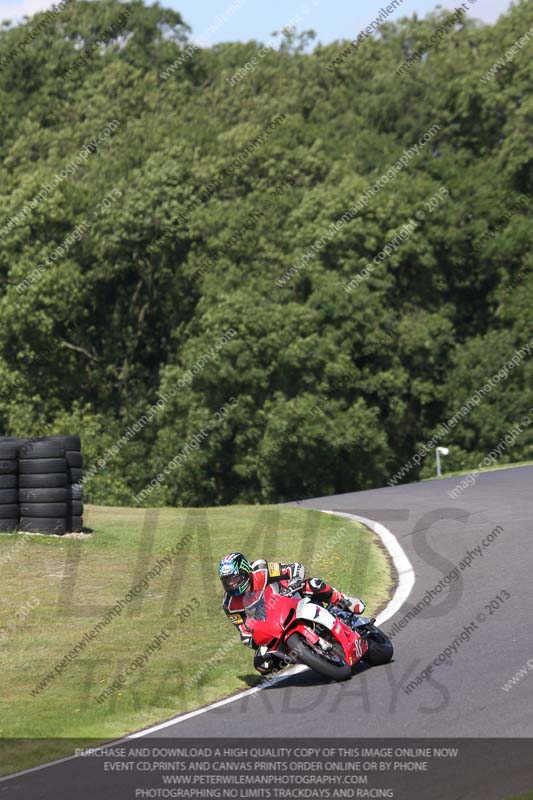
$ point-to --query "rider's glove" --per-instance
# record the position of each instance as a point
(246, 637)
(295, 585)
(297, 571)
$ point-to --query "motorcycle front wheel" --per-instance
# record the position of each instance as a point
(332, 667)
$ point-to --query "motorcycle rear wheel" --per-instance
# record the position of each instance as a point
(380, 650)
(305, 654)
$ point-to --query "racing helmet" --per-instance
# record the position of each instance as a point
(234, 571)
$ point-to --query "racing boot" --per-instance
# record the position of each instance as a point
(318, 590)
(353, 604)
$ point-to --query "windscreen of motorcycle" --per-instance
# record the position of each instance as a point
(254, 605)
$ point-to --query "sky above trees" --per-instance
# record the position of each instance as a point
(247, 19)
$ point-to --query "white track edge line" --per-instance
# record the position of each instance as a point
(402, 565)
(406, 581)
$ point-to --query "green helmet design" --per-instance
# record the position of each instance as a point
(234, 571)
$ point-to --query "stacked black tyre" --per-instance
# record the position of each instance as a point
(43, 481)
(74, 461)
(9, 501)
(41, 485)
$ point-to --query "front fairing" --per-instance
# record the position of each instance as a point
(266, 614)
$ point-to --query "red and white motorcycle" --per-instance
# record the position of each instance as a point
(292, 629)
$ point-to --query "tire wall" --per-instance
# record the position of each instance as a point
(41, 485)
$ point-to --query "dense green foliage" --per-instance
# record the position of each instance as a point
(210, 203)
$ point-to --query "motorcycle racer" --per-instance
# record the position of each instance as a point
(239, 576)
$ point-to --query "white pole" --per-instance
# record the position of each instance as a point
(438, 451)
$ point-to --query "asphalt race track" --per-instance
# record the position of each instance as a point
(465, 699)
(463, 696)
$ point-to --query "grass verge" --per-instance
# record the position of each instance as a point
(56, 589)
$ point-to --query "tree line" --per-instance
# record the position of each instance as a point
(251, 205)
